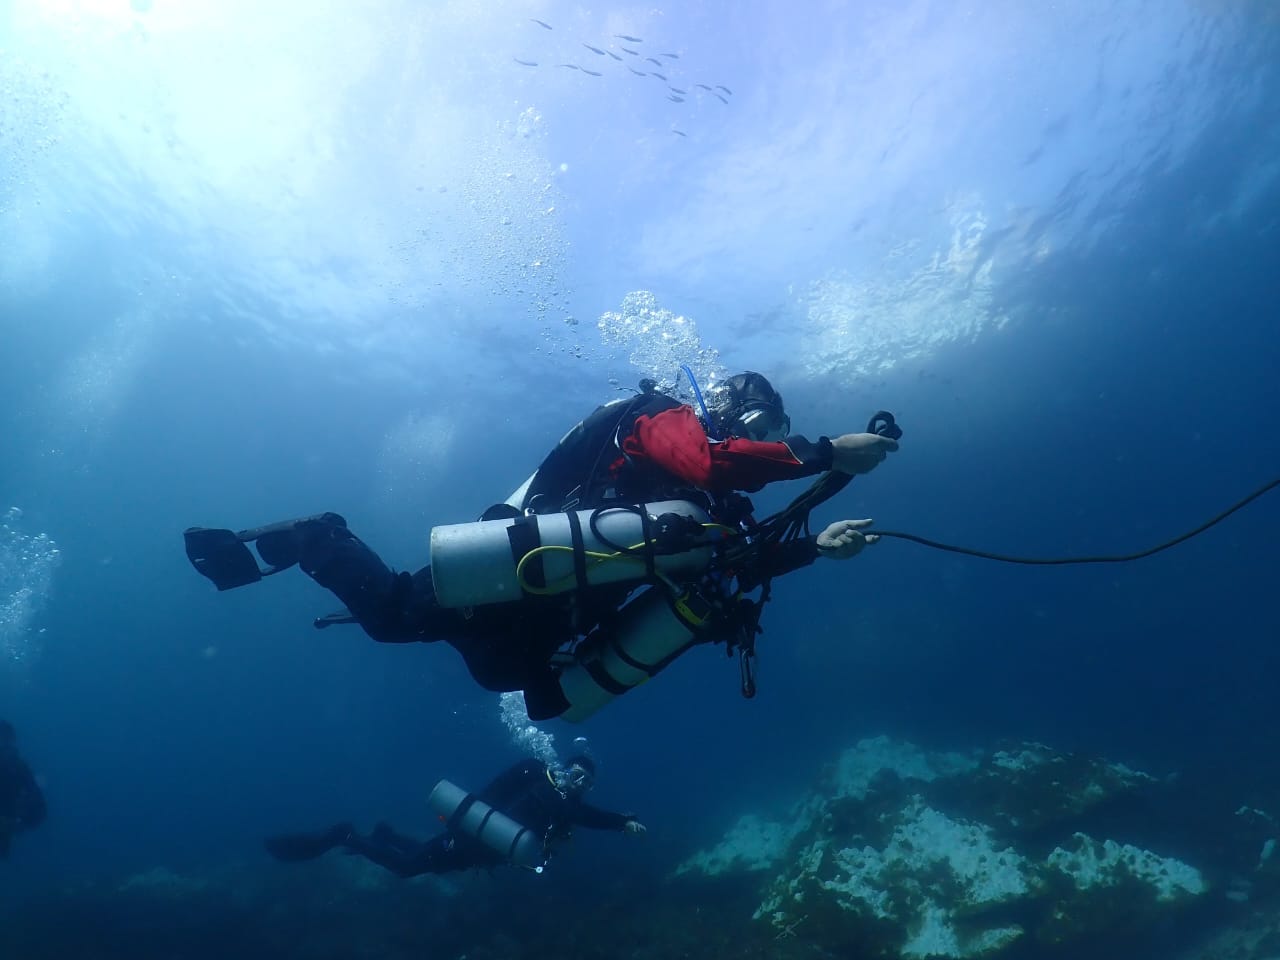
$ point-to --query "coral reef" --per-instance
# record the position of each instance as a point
(1017, 852)
(906, 853)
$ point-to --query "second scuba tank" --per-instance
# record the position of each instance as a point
(650, 632)
(466, 815)
(473, 564)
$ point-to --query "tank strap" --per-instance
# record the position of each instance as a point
(511, 850)
(596, 671)
(464, 805)
(524, 539)
(670, 658)
(631, 661)
(646, 526)
(579, 551)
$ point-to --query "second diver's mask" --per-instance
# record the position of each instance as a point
(575, 778)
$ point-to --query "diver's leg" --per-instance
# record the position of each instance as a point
(386, 836)
(404, 856)
(225, 558)
(392, 607)
(341, 562)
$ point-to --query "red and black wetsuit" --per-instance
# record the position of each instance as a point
(647, 449)
(654, 447)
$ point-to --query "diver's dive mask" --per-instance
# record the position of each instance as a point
(746, 405)
(577, 778)
(761, 421)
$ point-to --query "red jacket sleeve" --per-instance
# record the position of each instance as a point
(674, 441)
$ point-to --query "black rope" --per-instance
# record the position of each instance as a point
(1062, 561)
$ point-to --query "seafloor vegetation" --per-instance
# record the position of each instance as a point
(1016, 853)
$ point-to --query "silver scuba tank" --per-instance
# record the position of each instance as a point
(474, 564)
(649, 631)
(469, 816)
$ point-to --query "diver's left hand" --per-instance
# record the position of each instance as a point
(634, 826)
(844, 539)
(855, 453)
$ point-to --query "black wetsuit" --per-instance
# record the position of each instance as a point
(525, 793)
(21, 801)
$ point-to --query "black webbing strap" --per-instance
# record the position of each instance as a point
(646, 526)
(596, 671)
(629, 660)
(523, 537)
(579, 550)
(511, 850)
(464, 805)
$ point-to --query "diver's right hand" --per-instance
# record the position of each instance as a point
(844, 539)
(855, 453)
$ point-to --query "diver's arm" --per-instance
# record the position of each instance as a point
(742, 464)
(739, 463)
(594, 818)
(674, 441)
(782, 558)
(839, 541)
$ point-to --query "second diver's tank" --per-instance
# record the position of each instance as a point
(467, 815)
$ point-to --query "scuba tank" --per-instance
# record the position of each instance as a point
(467, 815)
(649, 632)
(497, 561)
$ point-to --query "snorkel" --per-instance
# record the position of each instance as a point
(706, 415)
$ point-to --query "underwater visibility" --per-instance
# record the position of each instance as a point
(508, 481)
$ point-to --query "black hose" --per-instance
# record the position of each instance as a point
(1062, 561)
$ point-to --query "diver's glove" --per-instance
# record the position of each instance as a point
(633, 826)
(844, 539)
(855, 453)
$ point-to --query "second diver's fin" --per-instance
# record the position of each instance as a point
(293, 847)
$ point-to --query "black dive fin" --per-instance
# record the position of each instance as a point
(222, 557)
(333, 619)
(291, 847)
(294, 847)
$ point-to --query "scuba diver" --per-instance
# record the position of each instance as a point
(628, 545)
(519, 818)
(21, 801)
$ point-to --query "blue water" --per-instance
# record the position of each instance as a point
(260, 264)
